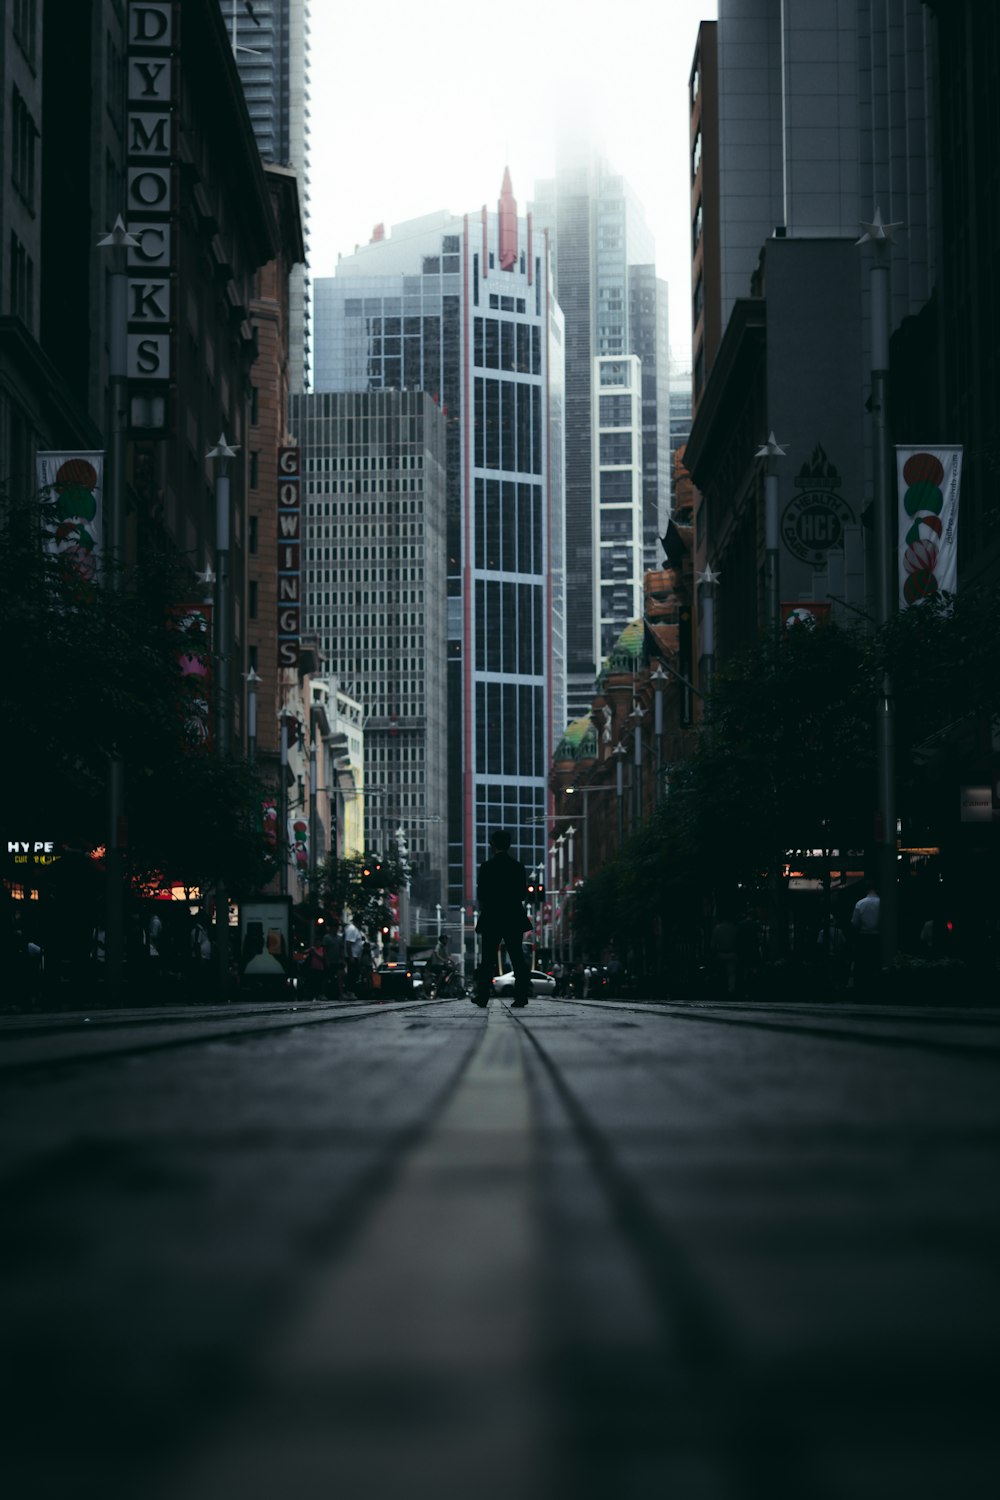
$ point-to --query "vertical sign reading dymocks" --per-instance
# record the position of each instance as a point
(151, 194)
(289, 557)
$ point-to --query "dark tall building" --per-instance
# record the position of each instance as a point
(270, 41)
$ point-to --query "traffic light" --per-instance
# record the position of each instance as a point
(539, 892)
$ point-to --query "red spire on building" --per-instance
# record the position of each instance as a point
(378, 234)
(507, 215)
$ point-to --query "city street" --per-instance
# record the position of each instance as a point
(588, 1248)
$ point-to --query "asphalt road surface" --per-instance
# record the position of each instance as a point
(584, 1249)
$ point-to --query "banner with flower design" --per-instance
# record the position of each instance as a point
(928, 484)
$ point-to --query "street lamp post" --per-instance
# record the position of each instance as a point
(253, 681)
(117, 242)
(880, 236)
(221, 455)
(619, 753)
(771, 451)
(638, 714)
(659, 678)
(708, 580)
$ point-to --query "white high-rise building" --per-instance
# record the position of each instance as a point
(462, 307)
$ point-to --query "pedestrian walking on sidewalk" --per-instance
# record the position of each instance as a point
(501, 891)
(866, 932)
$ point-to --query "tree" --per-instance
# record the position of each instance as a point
(93, 668)
(344, 886)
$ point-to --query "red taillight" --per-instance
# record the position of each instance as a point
(950, 926)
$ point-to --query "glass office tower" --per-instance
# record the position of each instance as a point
(463, 307)
(614, 306)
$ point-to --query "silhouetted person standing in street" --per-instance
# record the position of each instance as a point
(502, 890)
(866, 924)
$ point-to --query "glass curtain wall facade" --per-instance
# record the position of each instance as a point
(649, 339)
(463, 308)
(598, 234)
(617, 489)
(373, 589)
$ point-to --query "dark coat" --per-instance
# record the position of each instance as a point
(502, 890)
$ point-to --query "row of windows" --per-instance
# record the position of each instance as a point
(509, 526)
(510, 729)
(354, 508)
(616, 562)
(508, 426)
(22, 155)
(616, 447)
(22, 282)
(507, 346)
(364, 486)
(25, 26)
(615, 411)
(366, 460)
(509, 634)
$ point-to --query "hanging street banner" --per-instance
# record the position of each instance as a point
(73, 483)
(928, 481)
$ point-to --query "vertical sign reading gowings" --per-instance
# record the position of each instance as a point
(289, 557)
(928, 483)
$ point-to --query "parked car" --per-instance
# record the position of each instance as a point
(541, 983)
(393, 981)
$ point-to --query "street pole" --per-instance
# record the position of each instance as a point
(221, 454)
(283, 805)
(708, 579)
(638, 713)
(253, 679)
(880, 236)
(117, 242)
(619, 754)
(659, 679)
(314, 859)
(772, 451)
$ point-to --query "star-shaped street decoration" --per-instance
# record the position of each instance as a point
(877, 231)
(771, 449)
(222, 448)
(709, 575)
(119, 236)
(207, 578)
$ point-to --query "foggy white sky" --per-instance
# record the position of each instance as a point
(419, 107)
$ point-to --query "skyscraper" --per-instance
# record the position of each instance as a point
(463, 307)
(614, 307)
(270, 41)
(373, 474)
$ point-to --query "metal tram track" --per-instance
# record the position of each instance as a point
(759, 1016)
(78, 1040)
(697, 1352)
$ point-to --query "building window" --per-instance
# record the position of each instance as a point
(25, 26)
(23, 134)
(252, 601)
(254, 406)
(254, 469)
(252, 535)
(22, 282)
